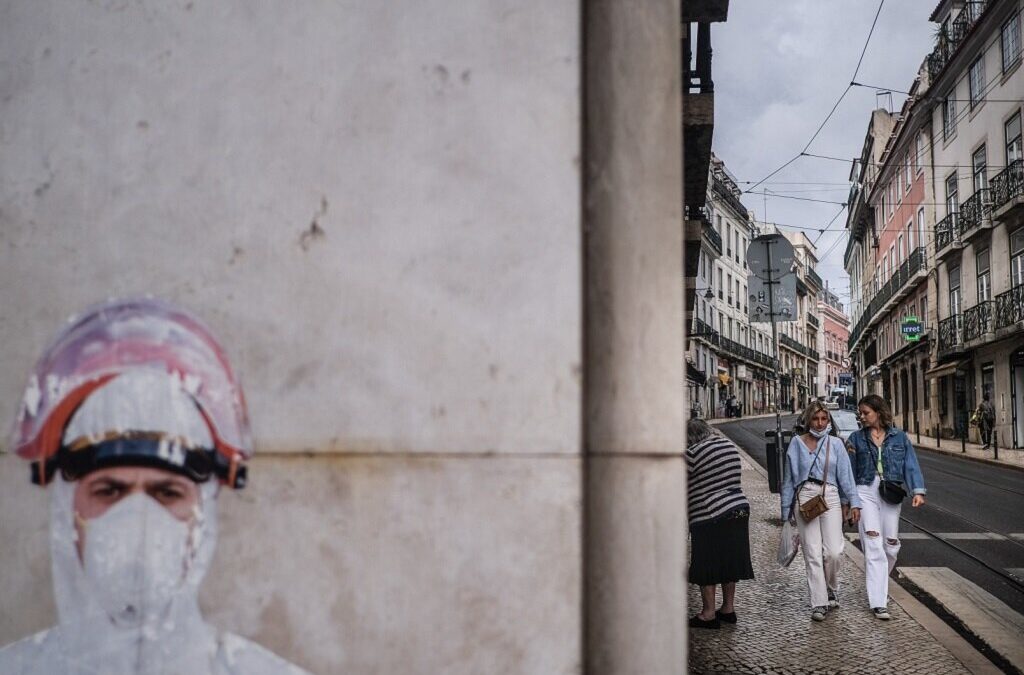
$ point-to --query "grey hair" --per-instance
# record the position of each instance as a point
(698, 430)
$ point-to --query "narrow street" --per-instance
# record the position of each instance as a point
(969, 535)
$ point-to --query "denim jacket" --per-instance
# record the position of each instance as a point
(899, 461)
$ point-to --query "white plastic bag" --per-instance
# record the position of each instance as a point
(789, 543)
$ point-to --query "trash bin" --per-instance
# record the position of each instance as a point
(775, 458)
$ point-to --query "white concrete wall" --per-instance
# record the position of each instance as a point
(377, 207)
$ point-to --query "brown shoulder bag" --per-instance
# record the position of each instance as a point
(815, 506)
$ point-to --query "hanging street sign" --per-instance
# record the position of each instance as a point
(911, 329)
(780, 275)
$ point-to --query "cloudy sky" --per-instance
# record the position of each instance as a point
(779, 67)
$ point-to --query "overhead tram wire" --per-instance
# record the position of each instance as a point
(853, 82)
(834, 107)
(929, 97)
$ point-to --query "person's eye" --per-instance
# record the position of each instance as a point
(106, 491)
(169, 493)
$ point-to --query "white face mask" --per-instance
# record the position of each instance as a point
(824, 432)
(135, 559)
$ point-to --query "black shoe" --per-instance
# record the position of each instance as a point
(697, 622)
(728, 617)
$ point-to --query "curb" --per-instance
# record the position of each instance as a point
(972, 659)
(971, 458)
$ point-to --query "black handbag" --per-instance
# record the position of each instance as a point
(891, 491)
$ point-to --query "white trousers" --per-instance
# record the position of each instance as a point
(822, 543)
(880, 551)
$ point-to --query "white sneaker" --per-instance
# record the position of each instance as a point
(818, 613)
(881, 613)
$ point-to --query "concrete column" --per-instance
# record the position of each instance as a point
(635, 519)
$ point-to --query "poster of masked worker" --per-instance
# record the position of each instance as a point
(134, 422)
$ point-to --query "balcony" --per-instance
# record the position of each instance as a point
(813, 277)
(812, 354)
(713, 238)
(947, 236)
(1007, 189)
(705, 332)
(978, 321)
(951, 36)
(951, 335)
(813, 321)
(975, 214)
(1009, 308)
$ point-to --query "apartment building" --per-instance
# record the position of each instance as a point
(727, 355)
(832, 341)
(936, 249)
(976, 89)
(798, 340)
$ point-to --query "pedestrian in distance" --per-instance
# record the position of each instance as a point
(719, 516)
(816, 466)
(986, 420)
(886, 469)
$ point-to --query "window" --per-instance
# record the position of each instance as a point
(924, 310)
(910, 237)
(1009, 42)
(899, 185)
(978, 165)
(720, 284)
(892, 261)
(906, 172)
(954, 290)
(919, 153)
(920, 227)
(1017, 258)
(728, 240)
(899, 249)
(951, 194)
(984, 280)
(728, 289)
(976, 81)
(948, 116)
(1011, 132)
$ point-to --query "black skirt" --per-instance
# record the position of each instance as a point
(720, 551)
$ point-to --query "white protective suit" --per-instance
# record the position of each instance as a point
(86, 641)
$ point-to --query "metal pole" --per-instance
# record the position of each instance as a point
(775, 342)
(995, 442)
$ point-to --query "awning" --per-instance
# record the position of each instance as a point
(943, 370)
(694, 375)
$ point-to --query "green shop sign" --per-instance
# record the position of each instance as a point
(911, 329)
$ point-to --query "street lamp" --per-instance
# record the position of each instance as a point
(709, 295)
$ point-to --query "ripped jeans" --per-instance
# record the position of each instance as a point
(881, 547)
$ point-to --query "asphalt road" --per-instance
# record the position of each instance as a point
(965, 498)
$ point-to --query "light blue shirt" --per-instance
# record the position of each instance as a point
(802, 464)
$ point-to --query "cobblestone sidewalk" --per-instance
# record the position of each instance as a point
(775, 633)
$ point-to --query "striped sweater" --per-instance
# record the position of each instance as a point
(713, 480)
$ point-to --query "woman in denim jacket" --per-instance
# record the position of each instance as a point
(881, 451)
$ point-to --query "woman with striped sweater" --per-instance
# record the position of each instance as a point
(718, 515)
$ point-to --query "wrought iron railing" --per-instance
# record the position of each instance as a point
(947, 232)
(972, 211)
(951, 35)
(1009, 307)
(713, 237)
(813, 276)
(813, 320)
(1008, 183)
(978, 320)
(705, 332)
(951, 333)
